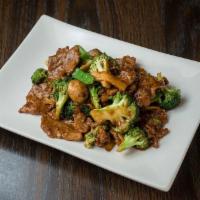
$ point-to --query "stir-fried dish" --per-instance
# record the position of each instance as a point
(103, 101)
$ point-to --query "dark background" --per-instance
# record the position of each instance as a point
(29, 170)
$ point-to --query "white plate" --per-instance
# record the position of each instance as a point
(154, 167)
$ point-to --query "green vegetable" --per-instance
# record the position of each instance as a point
(39, 76)
(84, 55)
(135, 137)
(122, 113)
(100, 64)
(168, 97)
(90, 138)
(68, 110)
(85, 109)
(159, 76)
(94, 96)
(82, 76)
(60, 94)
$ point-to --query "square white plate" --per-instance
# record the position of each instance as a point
(154, 167)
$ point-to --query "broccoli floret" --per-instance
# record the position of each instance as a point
(168, 97)
(100, 63)
(122, 113)
(60, 94)
(39, 76)
(68, 110)
(85, 109)
(94, 96)
(135, 137)
(90, 138)
(84, 55)
(101, 69)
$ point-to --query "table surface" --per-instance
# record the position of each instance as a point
(29, 170)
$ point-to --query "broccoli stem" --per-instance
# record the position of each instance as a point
(60, 94)
(94, 96)
(82, 76)
(60, 103)
(129, 142)
(84, 55)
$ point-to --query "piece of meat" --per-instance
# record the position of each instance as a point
(143, 97)
(71, 60)
(56, 60)
(131, 89)
(105, 94)
(153, 121)
(147, 87)
(127, 68)
(109, 146)
(95, 52)
(114, 67)
(38, 100)
(63, 63)
(102, 137)
(117, 137)
(59, 129)
(81, 122)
